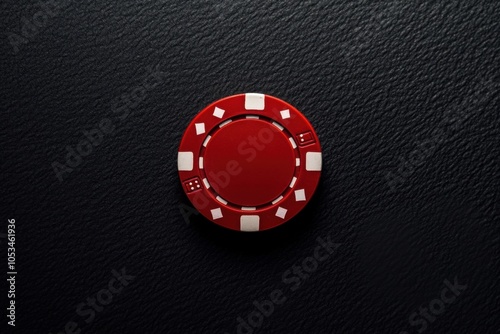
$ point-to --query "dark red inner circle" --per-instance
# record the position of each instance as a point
(249, 162)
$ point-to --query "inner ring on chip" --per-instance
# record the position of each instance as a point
(249, 162)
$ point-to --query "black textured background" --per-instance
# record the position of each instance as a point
(375, 79)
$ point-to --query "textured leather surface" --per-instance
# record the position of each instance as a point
(403, 95)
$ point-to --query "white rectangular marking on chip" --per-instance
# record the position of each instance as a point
(297, 162)
(185, 161)
(200, 162)
(206, 141)
(252, 117)
(225, 123)
(313, 161)
(281, 212)
(292, 142)
(222, 200)
(293, 182)
(218, 112)
(205, 182)
(300, 195)
(200, 128)
(254, 101)
(278, 126)
(216, 213)
(277, 200)
(248, 208)
(285, 113)
(249, 223)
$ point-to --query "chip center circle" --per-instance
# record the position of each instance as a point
(249, 162)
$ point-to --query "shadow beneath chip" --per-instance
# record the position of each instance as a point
(265, 241)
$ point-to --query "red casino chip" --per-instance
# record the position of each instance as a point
(249, 162)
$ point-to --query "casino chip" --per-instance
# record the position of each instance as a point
(249, 162)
